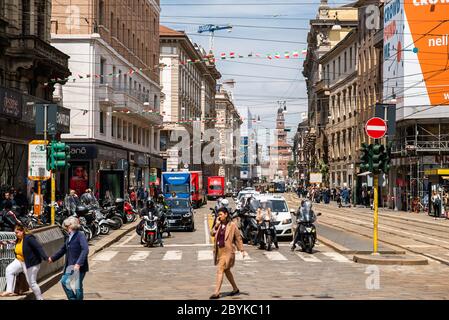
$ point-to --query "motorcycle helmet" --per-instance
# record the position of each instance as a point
(150, 203)
(225, 203)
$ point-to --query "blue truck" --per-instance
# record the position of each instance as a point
(178, 182)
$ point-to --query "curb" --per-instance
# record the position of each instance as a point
(54, 279)
(379, 260)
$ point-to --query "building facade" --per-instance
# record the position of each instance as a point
(189, 84)
(115, 100)
(27, 64)
(339, 68)
(326, 31)
(228, 126)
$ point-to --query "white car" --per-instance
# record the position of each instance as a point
(242, 194)
(281, 212)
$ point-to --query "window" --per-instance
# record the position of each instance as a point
(119, 128)
(346, 62)
(120, 79)
(101, 12)
(112, 24)
(118, 28)
(125, 130)
(113, 77)
(102, 70)
(102, 122)
(350, 57)
(134, 127)
(130, 132)
(339, 67)
(333, 69)
(114, 124)
(125, 82)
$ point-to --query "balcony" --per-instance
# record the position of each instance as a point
(105, 94)
(133, 102)
(24, 46)
(422, 143)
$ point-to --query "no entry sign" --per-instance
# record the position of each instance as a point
(376, 128)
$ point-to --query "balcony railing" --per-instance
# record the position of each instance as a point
(422, 143)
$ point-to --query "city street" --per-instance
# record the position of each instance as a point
(183, 269)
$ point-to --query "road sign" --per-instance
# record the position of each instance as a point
(376, 128)
(37, 160)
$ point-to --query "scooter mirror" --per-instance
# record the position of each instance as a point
(292, 211)
(318, 214)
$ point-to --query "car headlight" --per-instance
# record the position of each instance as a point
(286, 221)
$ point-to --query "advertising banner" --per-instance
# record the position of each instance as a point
(416, 62)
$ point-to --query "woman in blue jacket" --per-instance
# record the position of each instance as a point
(29, 255)
(76, 250)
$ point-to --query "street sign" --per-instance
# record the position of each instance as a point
(37, 160)
(376, 128)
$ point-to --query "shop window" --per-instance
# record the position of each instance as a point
(102, 122)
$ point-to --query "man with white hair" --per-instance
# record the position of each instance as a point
(76, 250)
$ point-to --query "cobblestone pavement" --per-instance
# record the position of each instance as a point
(183, 269)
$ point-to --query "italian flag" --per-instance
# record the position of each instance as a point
(295, 54)
(223, 56)
(287, 55)
(277, 55)
(232, 55)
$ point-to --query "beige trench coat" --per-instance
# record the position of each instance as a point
(233, 240)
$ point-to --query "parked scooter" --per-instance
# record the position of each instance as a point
(306, 231)
(130, 213)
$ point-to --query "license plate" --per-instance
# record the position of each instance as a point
(309, 229)
(171, 221)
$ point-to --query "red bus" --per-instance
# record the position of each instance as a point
(215, 187)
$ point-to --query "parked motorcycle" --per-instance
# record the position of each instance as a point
(114, 219)
(130, 213)
(306, 230)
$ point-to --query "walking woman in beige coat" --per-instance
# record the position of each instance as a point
(226, 238)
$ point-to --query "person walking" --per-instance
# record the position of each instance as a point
(436, 202)
(76, 264)
(8, 219)
(226, 238)
(29, 255)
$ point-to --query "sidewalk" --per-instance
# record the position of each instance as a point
(94, 248)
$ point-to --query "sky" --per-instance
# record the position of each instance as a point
(260, 86)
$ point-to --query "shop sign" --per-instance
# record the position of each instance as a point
(10, 103)
(82, 151)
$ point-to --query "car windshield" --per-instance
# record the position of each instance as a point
(278, 205)
(215, 188)
(178, 203)
(180, 188)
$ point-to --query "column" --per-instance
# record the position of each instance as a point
(152, 140)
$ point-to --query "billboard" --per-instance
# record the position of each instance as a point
(416, 61)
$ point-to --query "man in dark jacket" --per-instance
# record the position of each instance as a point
(8, 218)
(76, 250)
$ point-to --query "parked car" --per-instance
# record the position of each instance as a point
(180, 214)
(281, 212)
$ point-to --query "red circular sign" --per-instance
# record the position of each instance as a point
(376, 128)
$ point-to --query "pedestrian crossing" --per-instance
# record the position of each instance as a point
(207, 255)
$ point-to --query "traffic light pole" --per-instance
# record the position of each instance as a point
(376, 212)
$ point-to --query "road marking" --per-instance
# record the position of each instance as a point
(205, 255)
(105, 256)
(206, 230)
(139, 255)
(239, 257)
(127, 240)
(171, 245)
(308, 257)
(418, 246)
(336, 257)
(274, 256)
(173, 255)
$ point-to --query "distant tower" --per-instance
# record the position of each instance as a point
(280, 150)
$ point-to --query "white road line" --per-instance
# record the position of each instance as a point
(171, 245)
(336, 257)
(206, 230)
(127, 240)
(205, 255)
(173, 255)
(308, 257)
(105, 256)
(274, 256)
(239, 257)
(139, 255)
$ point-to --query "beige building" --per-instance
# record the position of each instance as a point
(228, 125)
(339, 68)
(189, 94)
(115, 100)
(329, 28)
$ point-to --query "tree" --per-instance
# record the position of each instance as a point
(291, 168)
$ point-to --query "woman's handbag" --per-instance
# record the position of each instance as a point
(21, 284)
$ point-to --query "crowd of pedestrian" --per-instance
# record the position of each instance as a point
(325, 195)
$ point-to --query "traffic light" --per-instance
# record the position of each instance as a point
(378, 158)
(58, 155)
(387, 158)
(365, 158)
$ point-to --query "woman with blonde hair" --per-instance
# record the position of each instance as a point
(29, 255)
